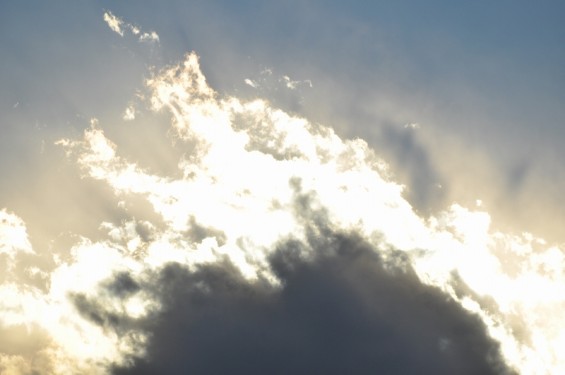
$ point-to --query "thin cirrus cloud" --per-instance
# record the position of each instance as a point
(275, 247)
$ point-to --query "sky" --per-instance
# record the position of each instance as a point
(282, 187)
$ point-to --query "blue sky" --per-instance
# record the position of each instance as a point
(462, 100)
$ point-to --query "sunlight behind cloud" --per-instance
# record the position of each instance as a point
(243, 141)
(257, 177)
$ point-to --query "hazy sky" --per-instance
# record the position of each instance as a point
(199, 184)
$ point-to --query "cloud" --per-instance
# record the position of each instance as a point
(114, 23)
(293, 85)
(129, 113)
(251, 83)
(120, 27)
(149, 37)
(275, 245)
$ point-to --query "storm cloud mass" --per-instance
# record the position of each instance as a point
(242, 226)
(342, 311)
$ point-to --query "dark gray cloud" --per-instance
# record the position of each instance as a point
(342, 311)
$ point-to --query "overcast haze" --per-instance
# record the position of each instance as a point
(292, 187)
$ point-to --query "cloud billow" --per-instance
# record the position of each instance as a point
(342, 311)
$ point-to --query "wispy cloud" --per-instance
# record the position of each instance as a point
(149, 37)
(250, 82)
(293, 84)
(120, 27)
(115, 23)
(129, 113)
(266, 80)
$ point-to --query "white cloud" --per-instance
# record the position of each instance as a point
(129, 113)
(149, 37)
(72, 344)
(115, 23)
(251, 83)
(119, 26)
(252, 166)
(293, 84)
